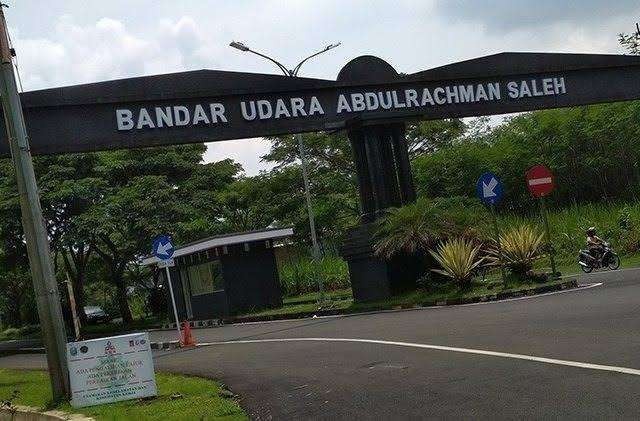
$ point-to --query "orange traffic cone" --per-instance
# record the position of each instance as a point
(187, 338)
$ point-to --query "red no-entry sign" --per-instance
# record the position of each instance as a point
(540, 181)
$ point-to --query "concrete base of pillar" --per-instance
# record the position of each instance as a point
(373, 278)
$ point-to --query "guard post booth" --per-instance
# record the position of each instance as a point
(225, 274)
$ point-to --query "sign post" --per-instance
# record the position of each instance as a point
(490, 190)
(74, 312)
(163, 249)
(541, 183)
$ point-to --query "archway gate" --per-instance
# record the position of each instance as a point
(369, 99)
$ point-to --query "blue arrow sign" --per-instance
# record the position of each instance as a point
(489, 188)
(162, 247)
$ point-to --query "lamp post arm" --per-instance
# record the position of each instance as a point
(284, 69)
(296, 69)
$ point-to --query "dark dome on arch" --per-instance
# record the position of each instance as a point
(365, 69)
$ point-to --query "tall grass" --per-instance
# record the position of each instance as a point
(617, 223)
(301, 275)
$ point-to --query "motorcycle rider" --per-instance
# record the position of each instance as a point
(595, 244)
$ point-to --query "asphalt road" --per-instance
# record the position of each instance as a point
(514, 359)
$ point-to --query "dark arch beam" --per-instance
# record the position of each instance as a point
(84, 117)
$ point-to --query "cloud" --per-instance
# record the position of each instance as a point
(106, 49)
(518, 15)
(245, 151)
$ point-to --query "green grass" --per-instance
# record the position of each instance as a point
(179, 398)
(305, 307)
(450, 291)
(569, 266)
(312, 297)
(439, 292)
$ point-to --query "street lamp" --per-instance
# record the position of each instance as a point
(303, 159)
(293, 73)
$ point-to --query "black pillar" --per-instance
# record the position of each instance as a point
(401, 154)
(365, 185)
(384, 181)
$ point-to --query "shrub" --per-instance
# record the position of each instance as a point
(521, 246)
(458, 258)
(420, 226)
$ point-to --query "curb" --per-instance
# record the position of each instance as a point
(31, 350)
(195, 324)
(27, 413)
(157, 346)
(569, 284)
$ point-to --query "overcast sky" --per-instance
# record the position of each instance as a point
(67, 42)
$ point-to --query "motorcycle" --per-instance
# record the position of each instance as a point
(608, 259)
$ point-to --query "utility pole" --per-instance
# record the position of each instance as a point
(44, 282)
(312, 222)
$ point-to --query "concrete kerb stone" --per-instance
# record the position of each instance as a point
(26, 413)
(156, 346)
(568, 283)
(195, 324)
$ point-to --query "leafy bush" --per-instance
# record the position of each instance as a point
(420, 226)
(27, 331)
(521, 246)
(301, 276)
(458, 258)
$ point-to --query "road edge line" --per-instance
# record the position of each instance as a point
(546, 360)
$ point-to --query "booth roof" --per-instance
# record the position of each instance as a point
(224, 240)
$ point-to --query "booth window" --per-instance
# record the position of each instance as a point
(205, 278)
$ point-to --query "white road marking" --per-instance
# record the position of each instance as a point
(623, 370)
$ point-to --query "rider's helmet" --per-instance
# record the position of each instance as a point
(591, 231)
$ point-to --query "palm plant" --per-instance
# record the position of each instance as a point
(521, 246)
(421, 225)
(458, 258)
(403, 230)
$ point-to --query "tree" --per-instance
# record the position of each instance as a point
(631, 42)
(68, 188)
(427, 137)
(17, 300)
(142, 200)
(205, 193)
(333, 184)
(126, 221)
(587, 148)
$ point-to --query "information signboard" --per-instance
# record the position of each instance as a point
(110, 369)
